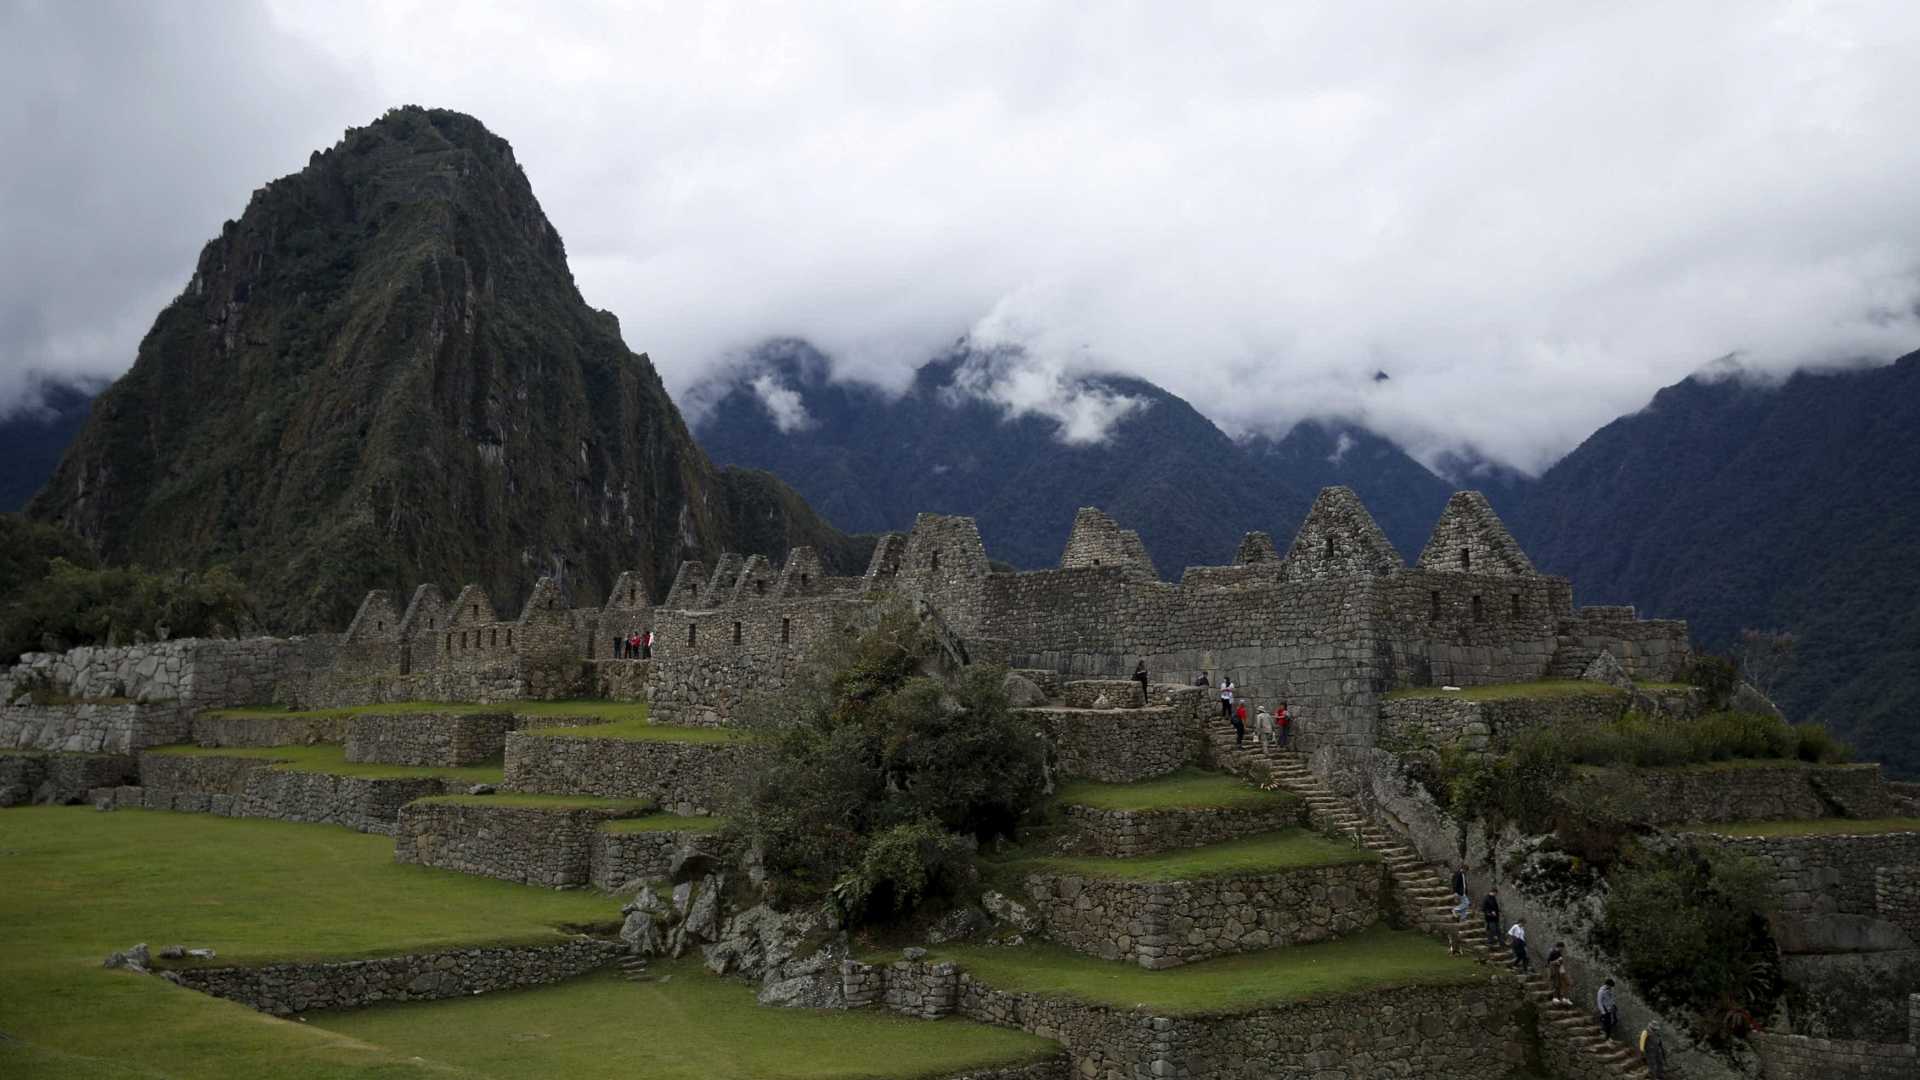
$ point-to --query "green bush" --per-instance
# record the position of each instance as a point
(1690, 929)
(77, 605)
(1717, 675)
(882, 774)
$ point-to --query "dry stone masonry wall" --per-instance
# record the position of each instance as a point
(428, 739)
(620, 858)
(1166, 924)
(1125, 833)
(251, 787)
(682, 777)
(1704, 794)
(54, 779)
(288, 989)
(1867, 874)
(532, 845)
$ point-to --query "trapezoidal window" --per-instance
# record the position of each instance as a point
(1479, 609)
(736, 633)
(786, 631)
(509, 637)
(1517, 612)
(631, 594)
(760, 586)
(936, 559)
(692, 634)
(805, 580)
(1329, 547)
(476, 611)
(1466, 559)
(1433, 612)
(449, 642)
(493, 637)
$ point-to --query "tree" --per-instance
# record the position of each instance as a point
(1764, 656)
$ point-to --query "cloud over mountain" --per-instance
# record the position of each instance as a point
(1529, 216)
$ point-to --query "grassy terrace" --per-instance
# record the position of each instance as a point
(609, 711)
(1816, 827)
(332, 758)
(1372, 959)
(665, 823)
(1187, 788)
(1545, 688)
(683, 1026)
(75, 885)
(545, 802)
(638, 729)
(1288, 849)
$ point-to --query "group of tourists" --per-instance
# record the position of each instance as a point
(1559, 980)
(1271, 730)
(635, 646)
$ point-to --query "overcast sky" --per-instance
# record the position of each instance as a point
(1530, 215)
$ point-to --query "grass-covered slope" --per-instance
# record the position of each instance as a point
(382, 374)
(76, 885)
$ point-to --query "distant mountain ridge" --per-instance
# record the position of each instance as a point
(1793, 507)
(870, 461)
(33, 438)
(383, 374)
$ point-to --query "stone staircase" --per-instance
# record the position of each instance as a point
(1425, 897)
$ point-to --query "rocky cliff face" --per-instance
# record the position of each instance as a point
(383, 374)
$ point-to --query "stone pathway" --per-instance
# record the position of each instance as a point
(1425, 896)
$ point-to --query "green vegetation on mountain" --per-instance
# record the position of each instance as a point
(383, 374)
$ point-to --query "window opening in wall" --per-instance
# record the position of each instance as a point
(493, 637)
(1479, 609)
(430, 625)
(1433, 613)
(691, 631)
(1329, 547)
(1466, 559)
(476, 611)
(509, 637)
(1516, 605)
(806, 579)
(760, 586)
(786, 631)
(631, 594)
(736, 633)
(1096, 562)
(936, 559)
(449, 642)
(379, 625)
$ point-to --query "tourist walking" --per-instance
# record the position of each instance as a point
(1263, 727)
(1226, 698)
(1461, 904)
(1557, 974)
(646, 646)
(1517, 933)
(1140, 676)
(1282, 724)
(1609, 1008)
(1490, 910)
(1239, 717)
(1203, 679)
(1654, 1049)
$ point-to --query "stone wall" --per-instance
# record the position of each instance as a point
(1437, 721)
(1837, 874)
(1098, 540)
(288, 989)
(1896, 895)
(1464, 1032)
(1126, 744)
(429, 739)
(1650, 650)
(1123, 833)
(533, 845)
(706, 664)
(620, 680)
(92, 729)
(1789, 791)
(619, 858)
(291, 730)
(682, 777)
(1166, 924)
(195, 673)
(56, 779)
(251, 787)
(1058, 1067)
(1796, 1057)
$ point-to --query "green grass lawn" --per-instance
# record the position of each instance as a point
(640, 730)
(1189, 787)
(609, 711)
(1545, 688)
(665, 823)
(1816, 827)
(332, 758)
(545, 802)
(687, 1026)
(76, 884)
(1372, 959)
(1287, 849)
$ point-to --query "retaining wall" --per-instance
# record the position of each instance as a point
(1789, 791)
(531, 845)
(1796, 1057)
(286, 989)
(29, 776)
(92, 729)
(1876, 875)
(1166, 924)
(682, 777)
(1121, 745)
(1143, 832)
(1463, 1032)
(619, 858)
(431, 739)
(251, 787)
(289, 730)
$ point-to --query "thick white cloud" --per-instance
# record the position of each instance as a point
(1529, 215)
(782, 403)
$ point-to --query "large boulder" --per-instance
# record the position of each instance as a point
(1022, 692)
(1607, 671)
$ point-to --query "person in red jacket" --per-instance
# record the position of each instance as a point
(1239, 724)
(1282, 724)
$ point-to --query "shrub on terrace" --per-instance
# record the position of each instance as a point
(77, 605)
(881, 774)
